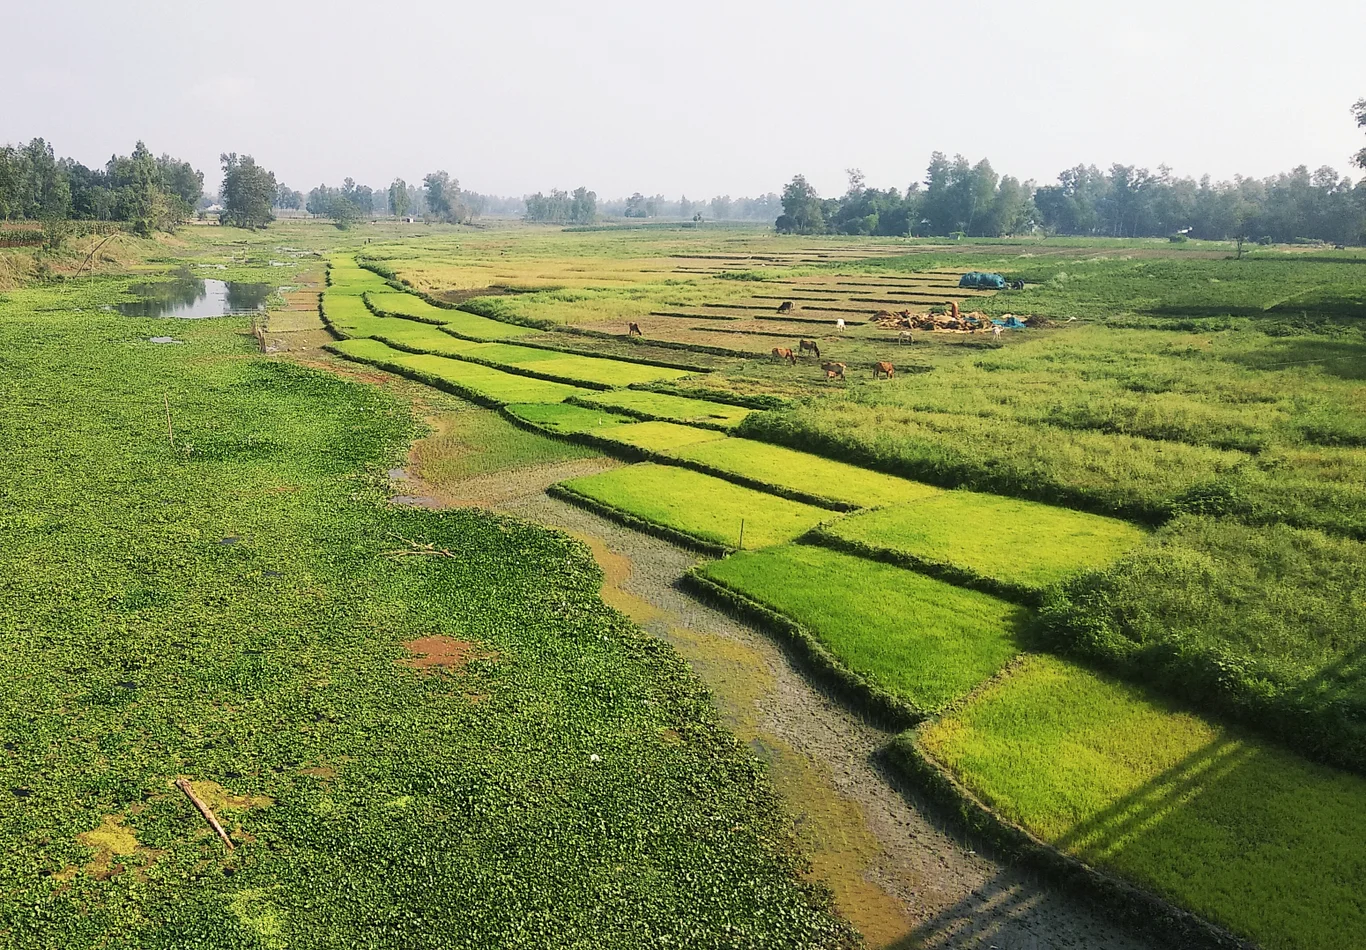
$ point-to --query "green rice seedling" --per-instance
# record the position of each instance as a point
(457, 321)
(1244, 834)
(345, 276)
(566, 419)
(1021, 544)
(922, 640)
(698, 505)
(481, 383)
(804, 473)
(662, 406)
(665, 438)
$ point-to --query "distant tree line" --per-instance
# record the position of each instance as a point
(958, 197)
(139, 190)
(562, 207)
(719, 208)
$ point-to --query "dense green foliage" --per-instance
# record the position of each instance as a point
(1124, 202)
(1249, 836)
(1268, 625)
(247, 193)
(920, 639)
(699, 505)
(1021, 544)
(223, 608)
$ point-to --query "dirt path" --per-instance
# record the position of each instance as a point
(897, 874)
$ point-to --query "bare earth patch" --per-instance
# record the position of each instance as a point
(443, 653)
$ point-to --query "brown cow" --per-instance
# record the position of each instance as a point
(833, 370)
(804, 345)
(633, 329)
(785, 306)
(880, 368)
(784, 353)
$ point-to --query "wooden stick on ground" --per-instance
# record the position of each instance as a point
(204, 810)
(170, 434)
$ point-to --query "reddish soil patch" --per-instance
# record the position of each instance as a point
(443, 653)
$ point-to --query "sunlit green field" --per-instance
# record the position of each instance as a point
(922, 640)
(1020, 543)
(651, 405)
(1248, 835)
(699, 505)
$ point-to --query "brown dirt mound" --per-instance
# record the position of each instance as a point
(443, 653)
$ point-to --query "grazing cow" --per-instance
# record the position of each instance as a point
(784, 353)
(785, 306)
(633, 329)
(804, 345)
(1017, 285)
(881, 369)
(833, 370)
(839, 324)
(904, 337)
(996, 333)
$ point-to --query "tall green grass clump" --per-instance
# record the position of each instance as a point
(1265, 624)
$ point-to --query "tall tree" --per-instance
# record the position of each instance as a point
(801, 208)
(247, 193)
(1359, 110)
(398, 198)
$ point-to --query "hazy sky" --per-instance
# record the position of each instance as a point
(704, 97)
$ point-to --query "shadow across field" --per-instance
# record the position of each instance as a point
(1345, 359)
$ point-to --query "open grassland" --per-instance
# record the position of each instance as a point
(455, 321)
(1019, 544)
(407, 751)
(1266, 624)
(474, 380)
(698, 505)
(1247, 835)
(662, 406)
(789, 470)
(921, 640)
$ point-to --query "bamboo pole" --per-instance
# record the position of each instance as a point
(204, 810)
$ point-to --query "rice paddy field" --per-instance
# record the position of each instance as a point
(1163, 479)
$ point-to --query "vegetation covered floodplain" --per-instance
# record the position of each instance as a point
(698, 505)
(1247, 835)
(1018, 543)
(922, 640)
(407, 751)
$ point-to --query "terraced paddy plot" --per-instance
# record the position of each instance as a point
(568, 419)
(808, 474)
(572, 367)
(698, 505)
(922, 640)
(481, 383)
(1247, 835)
(1022, 544)
(457, 321)
(670, 408)
(668, 438)
(345, 276)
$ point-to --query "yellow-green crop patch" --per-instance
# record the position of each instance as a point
(482, 383)
(1247, 835)
(344, 276)
(803, 472)
(669, 408)
(922, 640)
(1021, 544)
(567, 419)
(466, 324)
(699, 505)
(666, 438)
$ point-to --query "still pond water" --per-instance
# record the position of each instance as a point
(195, 298)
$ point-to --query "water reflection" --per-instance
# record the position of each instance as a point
(195, 298)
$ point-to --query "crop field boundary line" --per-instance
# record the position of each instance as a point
(445, 385)
(652, 341)
(945, 571)
(683, 539)
(1141, 909)
(718, 317)
(508, 368)
(857, 692)
(762, 403)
